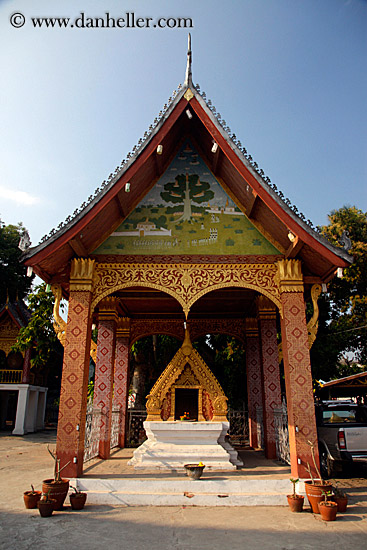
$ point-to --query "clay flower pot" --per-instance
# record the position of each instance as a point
(77, 500)
(46, 507)
(342, 502)
(328, 510)
(315, 494)
(295, 502)
(194, 471)
(31, 498)
(56, 490)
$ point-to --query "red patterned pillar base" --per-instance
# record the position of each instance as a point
(121, 381)
(298, 380)
(74, 385)
(254, 378)
(271, 375)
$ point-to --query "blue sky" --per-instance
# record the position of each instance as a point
(288, 76)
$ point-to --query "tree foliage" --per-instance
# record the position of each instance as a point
(13, 274)
(39, 333)
(187, 189)
(343, 310)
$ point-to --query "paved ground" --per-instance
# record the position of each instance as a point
(24, 460)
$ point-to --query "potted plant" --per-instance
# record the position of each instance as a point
(57, 487)
(77, 499)
(31, 498)
(340, 498)
(328, 508)
(46, 505)
(295, 501)
(315, 487)
(194, 471)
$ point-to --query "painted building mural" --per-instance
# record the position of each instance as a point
(187, 212)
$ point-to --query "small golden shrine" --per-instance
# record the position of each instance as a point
(187, 388)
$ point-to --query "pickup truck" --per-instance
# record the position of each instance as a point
(342, 435)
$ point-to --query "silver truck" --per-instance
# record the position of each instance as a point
(342, 435)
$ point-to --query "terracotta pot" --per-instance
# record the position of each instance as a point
(194, 471)
(46, 507)
(328, 510)
(295, 502)
(58, 491)
(315, 494)
(77, 500)
(31, 498)
(342, 503)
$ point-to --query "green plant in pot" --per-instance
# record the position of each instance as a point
(31, 498)
(340, 498)
(46, 505)
(57, 487)
(328, 508)
(77, 499)
(295, 501)
(315, 487)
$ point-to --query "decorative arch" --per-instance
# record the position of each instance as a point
(186, 283)
(197, 375)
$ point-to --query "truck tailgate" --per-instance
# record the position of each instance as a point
(356, 439)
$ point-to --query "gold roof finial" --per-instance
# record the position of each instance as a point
(188, 77)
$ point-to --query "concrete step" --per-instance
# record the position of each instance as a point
(185, 492)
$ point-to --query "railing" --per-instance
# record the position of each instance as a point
(238, 432)
(281, 434)
(260, 427)
(135, 430)
(9, 376)
(92, 431)
(115, 427)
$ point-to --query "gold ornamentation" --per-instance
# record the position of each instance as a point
(123, 327)
(199, 374)
(290, 276)
(60, 325)
(81, 274)
(313, 323)
(188, 94)
(9, 331)
(146, 327)
(266, 308)
(107, 309)
(252, 327)
(173, 279)
(233, 327)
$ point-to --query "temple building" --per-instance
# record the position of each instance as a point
(187, 237)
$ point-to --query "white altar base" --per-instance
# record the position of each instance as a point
(171, 445)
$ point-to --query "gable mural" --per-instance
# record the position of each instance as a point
(186, 212)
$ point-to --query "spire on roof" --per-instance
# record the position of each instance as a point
(188, 77)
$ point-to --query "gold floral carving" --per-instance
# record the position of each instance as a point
(200, 374)
(185, 283)
(60, 325)
(265, 308)
(81, 274)
(290, 276)
(146, 327)
(8, 334)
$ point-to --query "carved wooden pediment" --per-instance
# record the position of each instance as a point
(187, 370)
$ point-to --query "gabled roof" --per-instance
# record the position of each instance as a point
(17, 310)
(239, 174)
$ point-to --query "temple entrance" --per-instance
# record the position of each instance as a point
(186, 404)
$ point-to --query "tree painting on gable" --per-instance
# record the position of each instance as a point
(187, 212)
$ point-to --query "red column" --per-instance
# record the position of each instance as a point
(121, 379)
(254, 378)
(103, 383)
(26, 378)
(74, 383)
(297, 369)
(271, 375)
